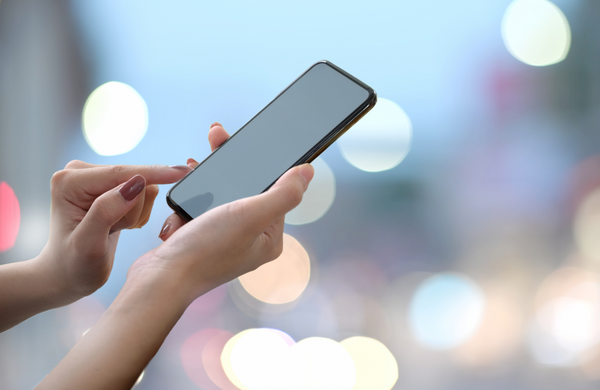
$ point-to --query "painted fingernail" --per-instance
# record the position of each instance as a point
(133, 187)
(165, 229)
(183, 168)
(216, 124)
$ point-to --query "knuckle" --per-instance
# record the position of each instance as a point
(115, 169)
(58, 179)
(74, 164)
(152, 191)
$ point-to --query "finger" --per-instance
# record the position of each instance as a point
(77, 164)
(171, 225)
(98, 180)
(106, 211)
(192, 163)
(150, 197)
(216, 135)
(260, 211)
(139, 215)
(129, 220)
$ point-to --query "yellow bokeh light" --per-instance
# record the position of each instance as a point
(282, 280)
(115, 119)
(536, 32)
(376, 367)
(317, 199)
(587, 226)
(226, 359)
(211, 360)
(380, 140)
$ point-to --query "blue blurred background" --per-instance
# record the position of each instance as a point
(474, 260)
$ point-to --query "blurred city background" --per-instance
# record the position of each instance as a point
(450, 240)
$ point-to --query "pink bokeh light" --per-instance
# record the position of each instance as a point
(10, 217)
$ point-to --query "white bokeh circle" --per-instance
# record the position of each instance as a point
(536, 32)
(380, 140)
(115, 119)
(446, 310)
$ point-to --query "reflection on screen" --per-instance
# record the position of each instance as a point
(272, 142)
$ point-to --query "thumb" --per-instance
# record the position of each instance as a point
(262, 210)
(109, 208)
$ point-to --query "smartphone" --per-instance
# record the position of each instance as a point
(294, 128)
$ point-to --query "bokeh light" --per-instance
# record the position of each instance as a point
(270, 359)
(567, 321)
(587, 226)
(380, 140)
(376, 367)
(192, 351)
(322, 364)
(500, 333)
(260, 359)
(282, 280)
(10, 217)
(446, 310)
(226, 359)
(115, 119)
(317, 199)
(536, 32)
(211, 359)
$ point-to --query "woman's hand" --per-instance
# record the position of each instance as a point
(196, 257)
(227, 241)
(90, 205)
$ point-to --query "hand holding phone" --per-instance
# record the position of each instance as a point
(297, 126)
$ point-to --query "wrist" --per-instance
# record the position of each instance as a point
(157, 277)
(154, 289)
(54, 280)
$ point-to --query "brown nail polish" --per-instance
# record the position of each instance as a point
(165, 229)
(133, 187)
(183, 168)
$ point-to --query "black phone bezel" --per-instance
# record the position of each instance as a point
(315, 151)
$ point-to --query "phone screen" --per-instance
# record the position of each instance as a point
(273, 141)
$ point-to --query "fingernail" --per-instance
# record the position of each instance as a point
(191, 161)
(216, 124)
(165, 229)
(307, 172)
(133, 187)
(183, 168)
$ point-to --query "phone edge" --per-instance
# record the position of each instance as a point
(312, 154)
